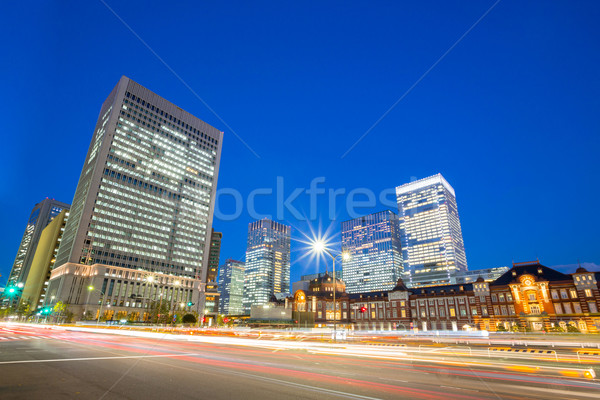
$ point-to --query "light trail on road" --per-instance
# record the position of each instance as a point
(307, 369)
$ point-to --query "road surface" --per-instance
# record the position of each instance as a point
(51, 363)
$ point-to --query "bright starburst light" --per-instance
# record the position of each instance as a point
(313, 244)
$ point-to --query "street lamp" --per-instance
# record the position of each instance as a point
(319, 246)
(100, 311)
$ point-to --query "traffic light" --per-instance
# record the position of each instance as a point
(190, 304)
(46, 310)
(363, 309)
(11, 290)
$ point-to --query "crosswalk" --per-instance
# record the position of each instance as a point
(28, 337)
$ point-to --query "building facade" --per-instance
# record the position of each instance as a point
(38, 278)
(145, 196)
(42, 214)
(431, 237)
(231, 287)
(212, 293)
(528, 297)
(267, 262)
(115, 293)
(372, 243)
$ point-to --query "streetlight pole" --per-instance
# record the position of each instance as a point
(334, 294)
(90, 290)
(100, 311)
(320, 246)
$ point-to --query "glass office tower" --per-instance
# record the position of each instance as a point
(267, 262)
(212, 293)
(42, 214)
(373, 245)
(231, 287)
(146, 192)
(432, 242)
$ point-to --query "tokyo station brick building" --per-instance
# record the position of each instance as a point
(528, 297)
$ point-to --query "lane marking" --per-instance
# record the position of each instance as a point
(97, 358)
(317, 389)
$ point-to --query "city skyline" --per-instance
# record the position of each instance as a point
(269, 200)
(523, 129)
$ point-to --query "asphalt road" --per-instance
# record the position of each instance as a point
(44, 363)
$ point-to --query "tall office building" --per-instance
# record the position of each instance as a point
(213, 257)
(146, 192)
(212, 293)
(41, 215)
(231, 287)
(432, 244)
(372, 243)
(36, 284)
(267, 262)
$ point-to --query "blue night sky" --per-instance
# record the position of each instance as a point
(509, 116)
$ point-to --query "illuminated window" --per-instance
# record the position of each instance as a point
(558, 308)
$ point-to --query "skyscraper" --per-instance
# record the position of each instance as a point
(267, 262)
(36, 284)
(432, 244)
(41, 215)
(212, 293)
(146, 192)
(372, 243)
(231, 287)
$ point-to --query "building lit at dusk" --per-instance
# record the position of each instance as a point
(267, 262)
(144, 202)
(430, 232)
(231, 287)
(372, 244)
(41, 215)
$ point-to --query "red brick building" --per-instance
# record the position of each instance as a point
(528, 297)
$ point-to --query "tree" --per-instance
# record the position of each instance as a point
(88, 316)
(159, 312)
(24, 307)
(189, 319)
(68, 316)
(59, 310)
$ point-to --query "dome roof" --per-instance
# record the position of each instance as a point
(480, 279)
(325, 278)
(580, 270)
